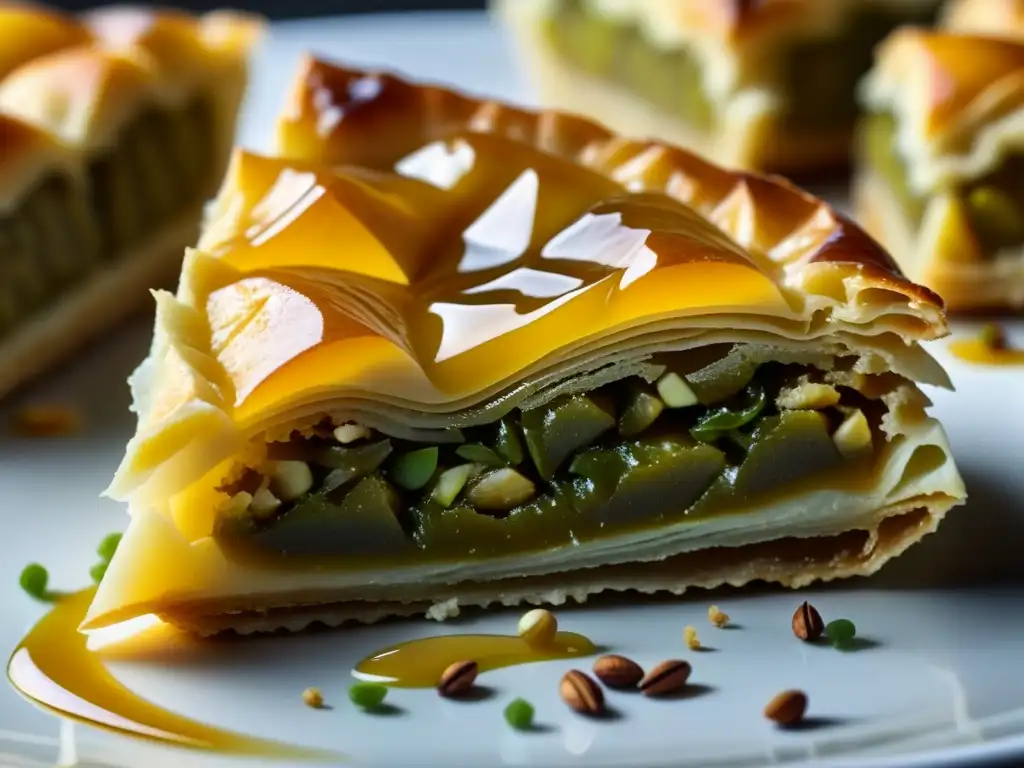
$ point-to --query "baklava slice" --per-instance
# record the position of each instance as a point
(941, 175)
(116, 127)
(999, 18)
(445, 352)
(764, 85)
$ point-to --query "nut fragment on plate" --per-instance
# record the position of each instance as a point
(313, 698)
(458, 678)
(993, 336)
(42, 420)
(787, 708)
(617, 671)
(690, 638)
(807, 622)
(581, 693)
(717, 617)
(668, 677)
(538, 627)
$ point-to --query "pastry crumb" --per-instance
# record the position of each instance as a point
(717, 617)
(46, 420)
(313, 698)
(690, 638)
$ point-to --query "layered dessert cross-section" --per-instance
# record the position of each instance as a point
(115, 129)
(756, 85)
(941, 171)
(445, 352)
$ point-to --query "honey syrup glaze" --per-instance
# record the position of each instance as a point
(419, 663)
(54, 667)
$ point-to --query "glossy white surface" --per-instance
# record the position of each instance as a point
(940, 683)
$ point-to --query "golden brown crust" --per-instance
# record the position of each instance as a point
(338, 115)
(1000, 18)
(28, 31)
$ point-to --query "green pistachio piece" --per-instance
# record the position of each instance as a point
(450, 484)
(642, 409)
(480, 454)
(108, 546)
(508, 445)
(718, 421)
(34, 578)
(351, 463)
(98, 571)
(560, 428)
(367, 695)
(997, 217)
(500, 490)
(675, 392)
(721, 379)
(519, 714)
(413, 470)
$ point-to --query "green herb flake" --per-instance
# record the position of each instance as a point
(98, 571)
(519, 714)
(108, 547)
(717, 422)
(367, 695)
(34, 579)
(841, 632)
(413, 470)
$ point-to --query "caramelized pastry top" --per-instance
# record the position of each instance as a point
(1000, 18)
(958, 99)
(30, 31)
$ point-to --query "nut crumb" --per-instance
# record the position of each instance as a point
(42, 420)
(717, 617)
(538, 627)
(313, 698)
(690, 637)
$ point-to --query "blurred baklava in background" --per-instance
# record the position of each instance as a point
(115, 128)
(941, 175)
(1003, 18)
(764, 85)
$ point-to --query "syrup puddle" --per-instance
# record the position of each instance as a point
(988, 348)
(54, 668)
(419, 663)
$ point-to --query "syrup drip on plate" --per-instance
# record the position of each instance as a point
(988, 348)
(54, 668)
(419, 663)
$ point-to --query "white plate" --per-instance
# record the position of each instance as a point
(944, 684)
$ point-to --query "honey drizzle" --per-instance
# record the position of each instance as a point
(419, 663)
(54, 668)
(979, 352)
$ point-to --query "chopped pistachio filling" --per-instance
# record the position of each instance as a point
(60, 233)
(994, 203)
(628, 456)
(817, 77)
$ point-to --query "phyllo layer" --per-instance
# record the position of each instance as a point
(444, 351)
(767, 85)
(117, 127)
(941, 176)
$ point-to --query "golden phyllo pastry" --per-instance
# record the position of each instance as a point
(1001, 18)
(447, 352)
(116, 128)
(758, 85)
(941, 178)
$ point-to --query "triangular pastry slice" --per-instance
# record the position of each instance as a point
(445, 352)
(116, 128)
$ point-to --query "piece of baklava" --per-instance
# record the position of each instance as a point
(446, 352)
(757, 85)
(941, 177)
(1001, 18)
(116, 129)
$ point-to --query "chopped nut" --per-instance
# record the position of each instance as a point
(675, 392)
(264, 503)
(853, 436)
(617, 671)
(501, 489)
(237, 505)
(46, 421)
(581, 693)
(807, 623)
(458, 678)
(668, 677)
(313, 698)
(538, 627)
(291, 479)
(690, 638)
(716, 617)
(808, 396)
(787, 708)
(349, 433)
(993, 336)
